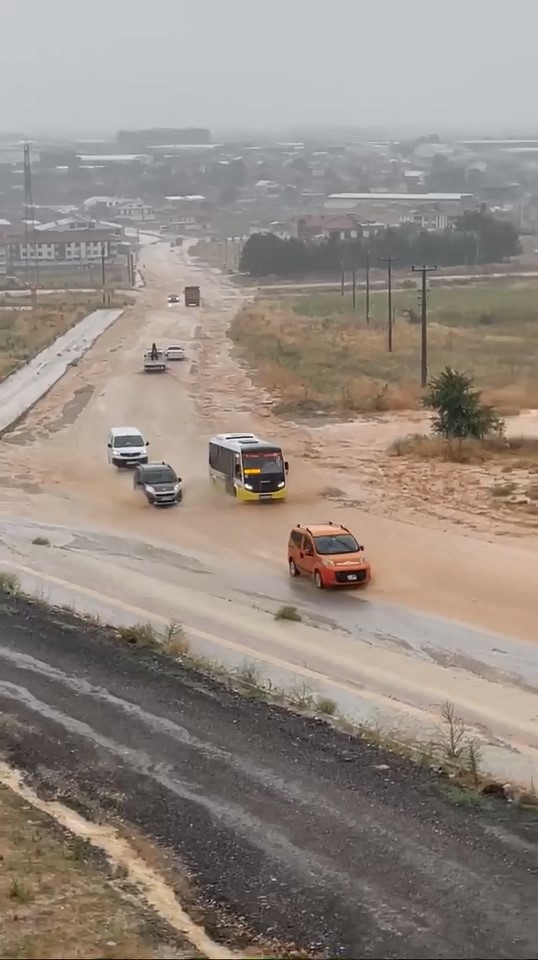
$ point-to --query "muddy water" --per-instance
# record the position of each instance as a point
(336, 470)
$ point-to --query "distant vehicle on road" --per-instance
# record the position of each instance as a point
(154, 360)
(174, 353)
(127, 447)
(14, 283)
(329, 554)
(247, 467)
(173, 298)
(192, 296)
(159, 483)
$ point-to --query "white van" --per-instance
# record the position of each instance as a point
(127, 447)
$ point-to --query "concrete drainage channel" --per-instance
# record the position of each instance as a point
(23, 389)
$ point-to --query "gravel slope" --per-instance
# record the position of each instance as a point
(309, 837)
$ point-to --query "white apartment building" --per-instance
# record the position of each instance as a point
(69, 247)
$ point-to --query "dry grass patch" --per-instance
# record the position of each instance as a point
(23, 333)
(57, 898)
(520, 452)
(318, 354)
(502, 467)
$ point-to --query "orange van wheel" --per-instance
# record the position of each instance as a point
(318, 580)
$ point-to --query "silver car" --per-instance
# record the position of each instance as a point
(174, 353)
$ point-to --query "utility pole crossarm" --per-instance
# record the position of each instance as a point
(424, 271)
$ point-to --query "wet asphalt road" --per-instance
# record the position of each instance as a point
(312, 838)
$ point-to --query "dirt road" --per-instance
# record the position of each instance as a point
(275, 823)
(221, 569)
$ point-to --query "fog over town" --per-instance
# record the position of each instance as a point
(469, 66)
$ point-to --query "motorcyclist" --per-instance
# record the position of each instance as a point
(154, 352)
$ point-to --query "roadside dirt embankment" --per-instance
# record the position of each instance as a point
(276, 826)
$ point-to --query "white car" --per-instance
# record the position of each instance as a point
(174, 353)
(127, 447)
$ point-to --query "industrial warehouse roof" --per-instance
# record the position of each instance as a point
(390, 197)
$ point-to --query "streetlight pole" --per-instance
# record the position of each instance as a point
(103, 270)
(389, 261)
(368, 288)
(424, 271)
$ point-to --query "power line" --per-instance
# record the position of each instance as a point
(389, 261)
(424, 271)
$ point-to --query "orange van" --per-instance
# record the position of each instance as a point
(329, 554)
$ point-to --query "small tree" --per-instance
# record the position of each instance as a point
(460, 411)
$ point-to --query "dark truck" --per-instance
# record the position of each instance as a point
(192, 296)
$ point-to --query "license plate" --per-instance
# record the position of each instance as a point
(352, 576)
(265, 496)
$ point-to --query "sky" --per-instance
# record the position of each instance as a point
(90, 67)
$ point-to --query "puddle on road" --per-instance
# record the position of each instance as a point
(113, 546)
(53, 423)
(462, 661)
(18, 482)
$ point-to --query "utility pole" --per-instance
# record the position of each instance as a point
(354, 287)
(29, 222)
(342, 278)
(103, 270)
(368, 288)
(424, 271)
(389, 261)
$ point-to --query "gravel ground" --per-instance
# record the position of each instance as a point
(284, 827)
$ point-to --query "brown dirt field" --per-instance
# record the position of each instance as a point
(58, 900)
(315, 354)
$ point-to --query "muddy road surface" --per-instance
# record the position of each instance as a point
(274, 821)
(447, 617)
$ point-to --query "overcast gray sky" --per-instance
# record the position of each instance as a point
(92, 66)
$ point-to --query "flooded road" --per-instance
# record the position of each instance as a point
(448, 617)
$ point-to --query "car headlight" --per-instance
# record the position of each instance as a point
(281, 484)
(248, 486)
(328, 563)
(363, 559)
(177, 487)
(150, 489)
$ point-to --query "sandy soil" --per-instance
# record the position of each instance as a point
(435, 493)
(71, 903)
(54, 465)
